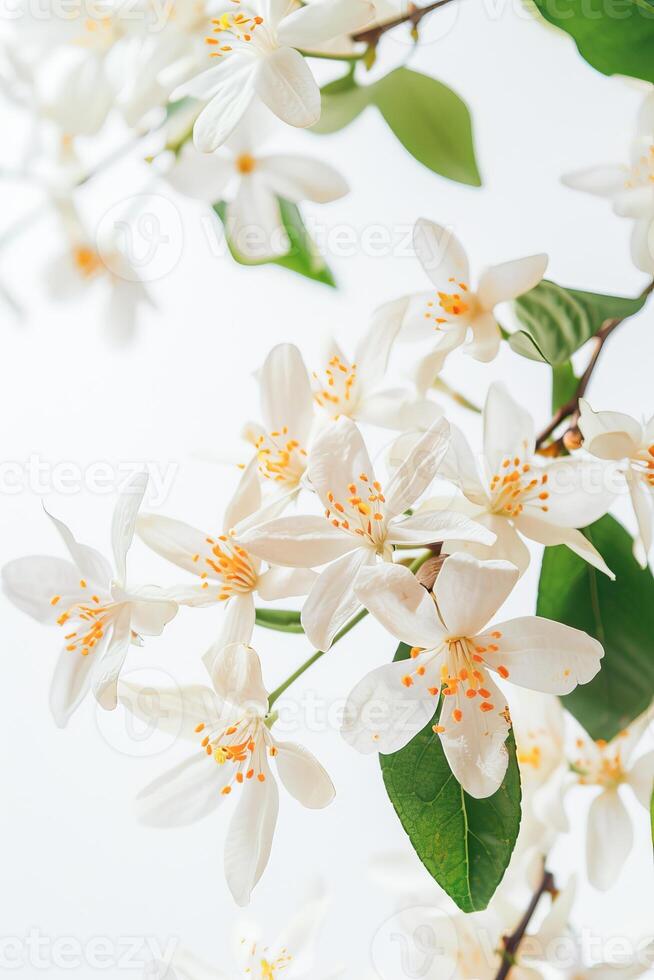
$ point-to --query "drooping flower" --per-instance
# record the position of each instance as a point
(258, 50)
(614, 436)
(98, 614)
(229, 574)
(234, 749)
(252, 181)
(454, 653)
(456, 310)
(629, 187)
(518, 494)
(362, 522)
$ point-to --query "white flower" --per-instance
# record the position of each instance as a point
(520, 494)
(233, 752)
(258, 48)
(628, 968)
(456, 309)
(362, 523)
(630, 187)
(253, 182)
(357, 388)
(98, 613)
(609, 766)
(228, 572)
(614, 436)
(453, 652)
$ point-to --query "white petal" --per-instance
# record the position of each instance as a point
(299, 542)
(441, 255)
(473, 740)
(303, 776)
(460, 467)
(250, 836)
(469, 592)
(578, 493)
(641, 779)
(110, 663)
(91, 564)
(394, 596)
(609, 839)
(237, 680)
(634, 202)
(176, 541)
(510, 280)
(417, 472)
(254, 221)
(609, 435)
(285, 84)
(284, 583)
(508, 429)
(185, 794)
(642, 501)
(32, 583)
(221, 116)
(205, 85)
(124, 520)
(298, 178)
(332, 600)
(374, 348)
(246, 499)
(204, 176)
(338, 458)
(286, 396)
(486, 338)
(429, 527)
(237, 626)
(71, 681)
(177, 710)
(642, 245)
(541, 654)
(508, 545)
(549, 535)
(323, 21)
(382, 714)
(604, 181)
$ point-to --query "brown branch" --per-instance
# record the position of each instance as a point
(570, 410)
(372, 35)
(510, 944)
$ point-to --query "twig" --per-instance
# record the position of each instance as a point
(372, 35)
(571, 408)
(510, 944)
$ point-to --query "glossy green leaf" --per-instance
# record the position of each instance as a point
(428, 118)
(564, 385)
(303, 256)
(282, 620)
(465, 844)
(615, 36)
(619, 614)
(557, 321)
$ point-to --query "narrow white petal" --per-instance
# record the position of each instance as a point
(237, 626)
(71, 681)
(286, 395)
(429, 527)
(416, 473)
(338, 458)
(176, 710)
(110, 663)
(641, 779)
(578, 493)
(185, 794)
(93, 567)
(394, 597)
(510, 280)
(285, 84)
(604, 181)
(254, 221)
(508, 429)
(33, 583)
(176, 541)
(229, 103)
(298, 178)
(246, 499)
(508, 545)
(324, 20)
(204, 176)
(237, 680)
(643, 503)
(284, 583)
(548, 534)
(123, 523)
(609, 435)
(441, 255)
(250, 836)
(469, 592)
(332, 600)
(299, 542)
(609, 839)
(303, 776)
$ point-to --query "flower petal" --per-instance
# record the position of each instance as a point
(338, 458)
(604, 181)
(246, 499)
(176, 710)
(473, 740)
(641, 779)
(549, 535)
(382, 714)
(541, 654)
(91, 564)
(286, 395)
(469, 592)
(236, 678)
(298, 178)
(254, 221)
(609, 839)
(441, 255)
(250, 836)
(332, 600)
(417, 472)
(176, 541)
(300, 541)
(285, 84)
(431, 526)
(283, 583)
(110, 663)
(609, 435)
(204, 176)
(71, 681)
(509, 280)
(577, 493)
(237, 627)
(185, 794)
(228, 105)
(484, 344)
(641, 499)
(324, 20)
(33, 583)
(394, 597)
(508, 545)
(508, 429)
(303, 776)
(123, 523)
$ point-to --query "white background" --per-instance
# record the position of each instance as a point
(74, 861)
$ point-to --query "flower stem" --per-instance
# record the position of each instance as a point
(315, 657)
(510, 944)
(456, 396)
(372, 35)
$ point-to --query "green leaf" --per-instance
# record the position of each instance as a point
(303, 256)
(619, 614)
(615, 36)
(428, 118)
(558, 321)
(564, 385)
(282, 620)
(465, 844)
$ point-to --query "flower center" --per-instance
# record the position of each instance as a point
(336, 392)
(512, 488)
(241, 746)
(361, 513)
(87, 261)
(232, 564)
(450, 306)
(245, 163)
(607, 772)
(642, 173)
(643, 463)
(281, 459)
(91, 619)
(237, 28)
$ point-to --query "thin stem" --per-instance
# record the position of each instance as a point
(456, 396)
(571, 408)
(372, 35)
(510, 944)
(415, 565)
